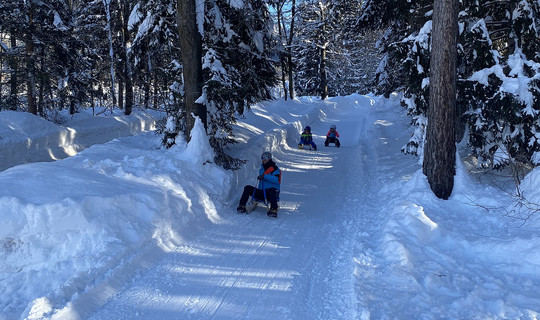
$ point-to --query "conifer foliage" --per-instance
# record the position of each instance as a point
(327, 54)
(497, 73)
(237, 67)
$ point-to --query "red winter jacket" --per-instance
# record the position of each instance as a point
(332, 134)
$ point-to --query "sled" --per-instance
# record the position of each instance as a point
(255, 202)
(305, 146)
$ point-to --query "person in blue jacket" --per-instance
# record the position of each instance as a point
(307, 138)
(269, 185)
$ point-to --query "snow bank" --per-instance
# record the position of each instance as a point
(89, 215)
(26, 138)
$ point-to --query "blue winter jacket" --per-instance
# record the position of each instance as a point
(271, 176)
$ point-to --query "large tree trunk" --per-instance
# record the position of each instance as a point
(440, 148)
(191, 47)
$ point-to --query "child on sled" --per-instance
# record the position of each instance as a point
(307, 139)
(332, 137)
(269, 182)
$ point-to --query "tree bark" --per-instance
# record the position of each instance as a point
(30, 66)
(148, 80)
(41, 81)
(281, 29)
(322, 72)
(191, 47)
(106, 4)
(126, 10)
(120, 91)
(322, 65)
(440, 149)
(14, 75)
(289, 47)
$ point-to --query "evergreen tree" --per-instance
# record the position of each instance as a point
(503, 111)
(316, 24)
(328, 54)
(156, 53)
(497, 47)
(237, 66)
(12, 17)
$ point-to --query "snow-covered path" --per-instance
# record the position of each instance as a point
(252, 267)
(359, 234)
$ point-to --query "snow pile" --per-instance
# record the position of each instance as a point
(26, 138)
(64, 225)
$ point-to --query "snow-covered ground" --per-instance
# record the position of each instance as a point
(127, 230)
(26, 138)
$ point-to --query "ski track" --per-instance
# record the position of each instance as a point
(299, 266)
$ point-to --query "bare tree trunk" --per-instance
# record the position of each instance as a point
(148, 79)
(322, 65)
(120, 92)
(156, 92)
(322, 72)
(291, 78)
(107, 5)
(41, 81)
(191, 47)
(440, 150)
(14, 75)
(129, 93)
(281, 29)
(289, 48)
(125, 12)
(30, 65)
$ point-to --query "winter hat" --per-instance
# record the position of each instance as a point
(266, 154)
(308, 128)
(333, 127)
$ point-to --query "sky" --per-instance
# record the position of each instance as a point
(128, 230)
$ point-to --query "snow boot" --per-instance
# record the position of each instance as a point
(241, 209)
(272, 213)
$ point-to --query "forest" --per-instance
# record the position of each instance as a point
(215, 58)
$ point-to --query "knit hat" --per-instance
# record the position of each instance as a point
(266, 154)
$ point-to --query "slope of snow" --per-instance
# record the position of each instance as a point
(26, 138)
(127, 230)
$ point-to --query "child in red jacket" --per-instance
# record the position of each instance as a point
(332, 137)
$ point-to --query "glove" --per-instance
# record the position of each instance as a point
(260, 177)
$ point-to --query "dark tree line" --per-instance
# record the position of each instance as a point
(58, 54)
